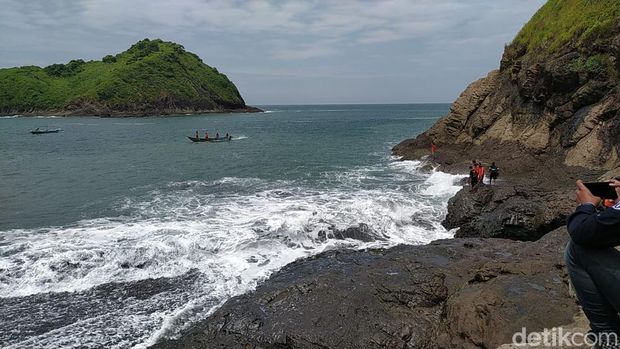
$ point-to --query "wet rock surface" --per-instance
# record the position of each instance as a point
(361, 232)
(517, 212)
(28, 320)
(459, 293)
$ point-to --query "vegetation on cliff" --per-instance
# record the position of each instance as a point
(560, 21)
(583, 27)
(151, 76)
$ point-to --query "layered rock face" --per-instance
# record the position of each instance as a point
(461, 293)
(562, 104)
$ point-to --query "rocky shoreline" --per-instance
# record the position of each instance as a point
(548, 116)
(457, 293)
(466, 292)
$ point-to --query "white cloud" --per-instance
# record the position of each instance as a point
(311, 51)
(349, 21)
(299, 39)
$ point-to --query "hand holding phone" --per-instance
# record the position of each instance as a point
(615, 183)
(603, 190)
(583, 195)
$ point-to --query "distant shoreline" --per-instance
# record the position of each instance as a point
(127, 114)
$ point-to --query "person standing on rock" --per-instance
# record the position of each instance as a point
(493, 173)
(480, 170)
(473, 178)
(594, 263)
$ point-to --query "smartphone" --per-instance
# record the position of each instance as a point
(602, 190)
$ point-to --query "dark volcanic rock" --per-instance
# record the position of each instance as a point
(360, 232)
(516, 212)
(460, 293)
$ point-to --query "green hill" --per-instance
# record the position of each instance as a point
(151, 77)
(560, 21)
(581, 34)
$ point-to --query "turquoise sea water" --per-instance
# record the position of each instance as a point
(118, 202)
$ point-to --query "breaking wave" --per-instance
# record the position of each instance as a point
(216, 239)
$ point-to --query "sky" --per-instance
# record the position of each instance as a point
(286, 52)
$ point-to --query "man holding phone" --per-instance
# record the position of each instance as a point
(594, 263)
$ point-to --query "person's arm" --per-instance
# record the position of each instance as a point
(587, 227)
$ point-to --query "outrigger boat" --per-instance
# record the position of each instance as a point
(213, 140)
(38, 131)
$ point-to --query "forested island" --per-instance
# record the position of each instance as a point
(152, 77)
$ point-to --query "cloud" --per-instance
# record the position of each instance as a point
(350, 21)
(301, 39)
(306, 52)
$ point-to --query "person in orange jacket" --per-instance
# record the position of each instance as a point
(480, 172)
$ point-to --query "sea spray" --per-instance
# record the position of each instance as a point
(114, 234)
(228, 242)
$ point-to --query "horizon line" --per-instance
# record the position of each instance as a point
(293, 104)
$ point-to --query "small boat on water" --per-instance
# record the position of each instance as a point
(212, 140)
(38, 131)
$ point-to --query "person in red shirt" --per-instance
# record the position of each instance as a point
(480, 173)
(206, 135)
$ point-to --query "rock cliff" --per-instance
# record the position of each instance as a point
(555, 95)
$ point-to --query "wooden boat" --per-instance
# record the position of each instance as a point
(47, 130)
(212, 140)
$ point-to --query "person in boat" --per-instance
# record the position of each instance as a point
(197, 136)
(228, 136)
(217, 135)
(206, 135)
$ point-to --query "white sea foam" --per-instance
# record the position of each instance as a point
(441, 184)
(132, 123)
(233, 239)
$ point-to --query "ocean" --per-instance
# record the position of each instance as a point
(116, 232)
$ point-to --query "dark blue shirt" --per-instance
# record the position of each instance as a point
(588, 227)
